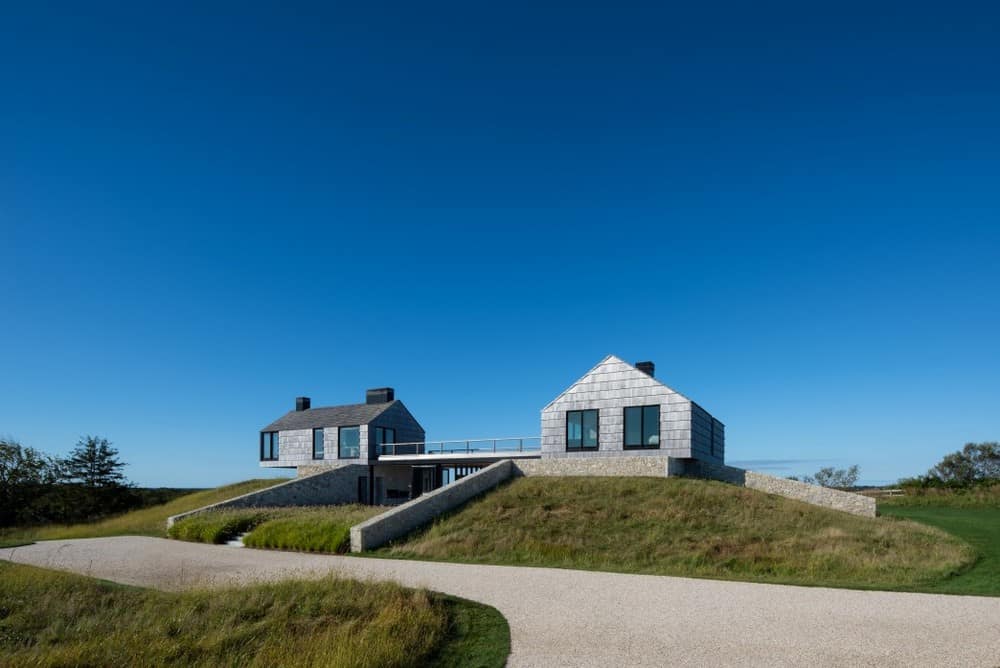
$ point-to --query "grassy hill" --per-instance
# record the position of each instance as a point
(672, 526)
(151, 521)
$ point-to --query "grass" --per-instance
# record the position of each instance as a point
(973, 497)
(974, 516)
(686, 527)
(312, 529)
(57, 619)
(149, 521)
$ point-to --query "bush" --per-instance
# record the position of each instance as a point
(218, 526)
(306, 535)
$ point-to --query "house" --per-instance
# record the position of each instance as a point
(311, 439)
(617, 409)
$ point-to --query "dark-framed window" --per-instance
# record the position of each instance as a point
(349, 443)
(268, 446)
(582, 430)
(318, 443)
(383, 436)
(642, 427)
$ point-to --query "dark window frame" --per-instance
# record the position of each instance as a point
(642, 428)
(272, 451)
(340, 440)
(322, 443)
(381, 443)
(577, 448)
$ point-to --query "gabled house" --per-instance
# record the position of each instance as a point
(617, 409)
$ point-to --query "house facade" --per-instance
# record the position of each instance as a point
(617, 409)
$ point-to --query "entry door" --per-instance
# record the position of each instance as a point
(363, 489)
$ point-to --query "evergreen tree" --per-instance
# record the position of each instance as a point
(94, 464)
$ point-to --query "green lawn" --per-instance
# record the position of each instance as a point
(978, 526)
(57, 619)
(151, 521)
(673, 526)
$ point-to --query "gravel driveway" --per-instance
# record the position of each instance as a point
(579, 618)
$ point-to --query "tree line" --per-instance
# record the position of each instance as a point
(37, 488)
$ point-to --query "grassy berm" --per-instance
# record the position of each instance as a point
(313, 529)
(56, 619)
(686, 527)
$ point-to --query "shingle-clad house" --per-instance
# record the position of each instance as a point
(333, 435)
(619, 409)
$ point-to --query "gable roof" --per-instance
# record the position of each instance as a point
(330, 416)
(617, 360)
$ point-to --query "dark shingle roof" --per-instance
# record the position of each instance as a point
(330, 416)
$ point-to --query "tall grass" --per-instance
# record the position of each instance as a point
(980, 496)
(308, 529)
(57, 619)
(685, 527)
(150, 521)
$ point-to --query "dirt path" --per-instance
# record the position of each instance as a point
(578, 618)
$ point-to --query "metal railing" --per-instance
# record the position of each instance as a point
(467, 446)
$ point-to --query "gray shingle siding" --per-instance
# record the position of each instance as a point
(295, 432)
(610, 387)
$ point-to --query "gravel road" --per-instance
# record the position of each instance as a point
(579, 618)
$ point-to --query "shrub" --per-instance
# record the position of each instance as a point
(304, 534)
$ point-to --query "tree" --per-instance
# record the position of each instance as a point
(25, 475)
(975, 463)
(831, 477)
(94, 464)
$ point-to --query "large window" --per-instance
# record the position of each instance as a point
(383, 436)
(581, 430)
(350, 442)
(317, 444)
(268, 446)
(642, 427)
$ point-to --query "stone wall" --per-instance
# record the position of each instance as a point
(403, 519)
(847, 502)
(655, 467)
(327, 488)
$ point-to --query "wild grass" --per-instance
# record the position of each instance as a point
(57, 619)
(150, 521)
(980, 496)
(310, 529)
(685, 527)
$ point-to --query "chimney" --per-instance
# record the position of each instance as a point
(380, 395)
(646, 367)
(302, 403)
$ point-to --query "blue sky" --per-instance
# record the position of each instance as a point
(793, 211)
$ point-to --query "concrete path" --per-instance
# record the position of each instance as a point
(579, 618)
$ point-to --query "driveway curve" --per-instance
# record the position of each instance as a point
(581, 618)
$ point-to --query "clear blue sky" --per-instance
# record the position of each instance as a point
(793, 211)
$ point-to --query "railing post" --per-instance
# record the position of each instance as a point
(467, 450)
(520, 445)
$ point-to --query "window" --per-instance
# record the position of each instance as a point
(268, 446)
(317, 444)
(581, 430)
(383, 436)
(350, 442)
(642, 427)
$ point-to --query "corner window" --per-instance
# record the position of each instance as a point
(642, 427)
(349, 443)
(268, 446)
(384, 436)
(317, 444)
(581, 430)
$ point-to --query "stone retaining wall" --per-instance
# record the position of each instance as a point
(654, 467)
(403, 519)
(327, 488)
(847, 502)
